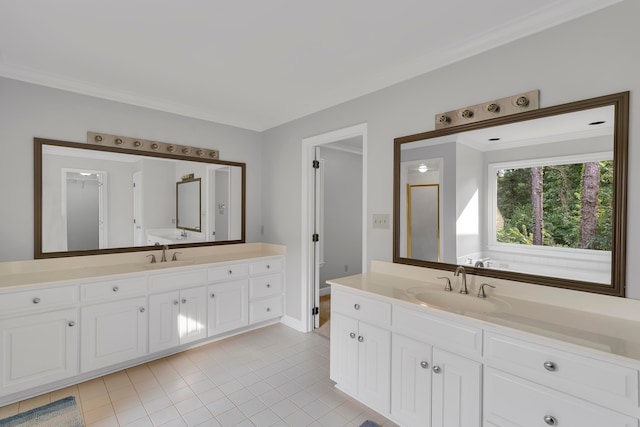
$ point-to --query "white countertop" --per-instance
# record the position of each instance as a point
(52, 271)
(614, 335)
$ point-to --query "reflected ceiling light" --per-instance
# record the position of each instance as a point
(422, 168)
(85, 174)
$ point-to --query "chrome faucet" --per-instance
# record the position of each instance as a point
(463, 286)
(481, 293)
(164, 253)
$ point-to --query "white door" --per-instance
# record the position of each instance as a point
(228, 306)
(344, 352)
(374, 366)
(113, 332)
(456, 390)
(193, 314)
(164, 310)
(411, 381)
(138, 213)
(38, 349)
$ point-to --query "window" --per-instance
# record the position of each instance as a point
(562, 202)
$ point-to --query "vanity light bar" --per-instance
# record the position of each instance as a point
(488, 110)
(107, 140)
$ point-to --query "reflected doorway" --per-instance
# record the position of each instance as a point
(84, 209)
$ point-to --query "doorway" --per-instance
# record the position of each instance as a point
(334, 216)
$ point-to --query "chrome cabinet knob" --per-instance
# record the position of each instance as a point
(360, 338)
(268, 266)
(142, 309)
(550, 420)
(437, 369)
(352, 335)
(213, 295)
(268, 285)
(72, 323)
(424, 364)
(36, 300)
(268, 309)
(176, 302)
(184, 301)
(550, 366)
(356, 306)
(116, 289)
(230, 272)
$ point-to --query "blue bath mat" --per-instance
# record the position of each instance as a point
(61, 413)
(369, 424)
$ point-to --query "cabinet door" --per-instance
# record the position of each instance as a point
(410, 381)
(228, 306)
(374, 366)
(456, 390)
(113, 333)
(344, 352)
(193, 315)
(38, 349)
(164, 311)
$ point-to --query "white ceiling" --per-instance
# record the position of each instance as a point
(254, 63)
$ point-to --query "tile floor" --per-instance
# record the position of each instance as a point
(274, 376)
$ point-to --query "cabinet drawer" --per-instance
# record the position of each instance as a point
(266, 266)
(440, 332)
(265, 286)
(113, 288)
(227, 272)
(510, 401)
(38, 299)
(180, 280)
(265, 309)
(600, 381)
(362, 308)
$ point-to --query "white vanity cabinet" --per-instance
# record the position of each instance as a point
(265, 290)
(178, 315)
(228, 306)
(361, 348)
(38, 349)
(113, 322)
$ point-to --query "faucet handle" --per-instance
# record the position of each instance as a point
(481, 293)
(175, 256)
(153, 258)
(447, 286)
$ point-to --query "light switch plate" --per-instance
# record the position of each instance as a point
(381, 221)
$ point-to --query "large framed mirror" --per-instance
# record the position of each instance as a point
(536, 197)
(100, 199)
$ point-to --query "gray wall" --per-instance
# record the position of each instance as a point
(595, 55)
(28, 111)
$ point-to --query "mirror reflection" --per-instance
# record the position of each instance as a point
(534, 197)
(98, 200)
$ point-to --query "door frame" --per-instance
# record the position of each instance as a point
(308, 297)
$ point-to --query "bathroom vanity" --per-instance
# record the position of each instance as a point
(67, 320)
(422, 356)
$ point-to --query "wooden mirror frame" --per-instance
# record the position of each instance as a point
(620, 101)
(37, 152)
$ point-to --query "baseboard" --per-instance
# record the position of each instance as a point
(293, 323)
(325, 291)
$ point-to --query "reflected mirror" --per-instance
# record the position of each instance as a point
(537, 197)
(94, 199)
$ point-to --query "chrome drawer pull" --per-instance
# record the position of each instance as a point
(116, 289)
(424, 364)
(550, 420)
(268, 266)
(356, 306)
(184, 301)
(142, 309)
(230, 272)
(213, 295)
(72, 323)
(36, 300)
(360, 338)
(550, 366)
(352, 335)
(268, 309)
(437, 369)
(268, 285)
(176, 302)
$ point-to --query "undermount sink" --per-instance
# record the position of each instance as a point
(456, 302)
(167, 264)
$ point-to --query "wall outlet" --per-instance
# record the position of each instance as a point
(381, 221)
